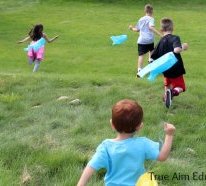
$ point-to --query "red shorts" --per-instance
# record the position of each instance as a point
(175, 82)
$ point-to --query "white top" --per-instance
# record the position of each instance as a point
(146, 36)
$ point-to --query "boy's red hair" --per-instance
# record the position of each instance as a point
(127, 115)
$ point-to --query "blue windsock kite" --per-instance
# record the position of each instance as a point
(118, 39)
(36, 46)
(158, 66)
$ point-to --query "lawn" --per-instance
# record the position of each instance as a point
(46, 141)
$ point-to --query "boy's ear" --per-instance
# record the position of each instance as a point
(140, 126)
(113, 128)
(111, 124)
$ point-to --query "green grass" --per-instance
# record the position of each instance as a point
(44, 141)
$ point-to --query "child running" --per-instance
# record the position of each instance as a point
(36, 47)
(146, 27)
(123, 157)
(173, 77)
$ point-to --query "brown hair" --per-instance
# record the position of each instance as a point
(148, 9)
(166, 24)
(36, 32)
(127, 115)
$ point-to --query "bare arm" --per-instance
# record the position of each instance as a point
(86, 175)
(133, 28)
(24, 40)
(50, 40)
(153, 29)
(166, 148)
(179, 49)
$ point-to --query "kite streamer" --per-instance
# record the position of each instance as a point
(158, 66)
(36, 45)
(118, 39)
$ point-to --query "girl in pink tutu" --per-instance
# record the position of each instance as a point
(35, 50)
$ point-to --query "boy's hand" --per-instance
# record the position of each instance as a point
(185, 46)
(130, 27)
(169, 129)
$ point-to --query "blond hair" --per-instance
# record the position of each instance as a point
(148, 9)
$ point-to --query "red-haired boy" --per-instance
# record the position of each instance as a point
(123, 157)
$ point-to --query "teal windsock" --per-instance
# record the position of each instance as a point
(158, 66)
(37, 45)
(118, 39)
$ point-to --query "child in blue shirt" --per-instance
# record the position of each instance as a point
(123, 157)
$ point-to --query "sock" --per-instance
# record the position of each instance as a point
(36, 65)
(30, 61)
(175, 92)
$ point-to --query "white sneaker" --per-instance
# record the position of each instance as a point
(138, 70)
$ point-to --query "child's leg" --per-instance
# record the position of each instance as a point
(140, 62)
(39, 58)
(167, 83)
(36, 65)
(30, 61)
(150, 60)
(31, 56)
(151, 48)
(141, 53)
(176, 91)
(168, 87)
(178, 85)
(142, 50)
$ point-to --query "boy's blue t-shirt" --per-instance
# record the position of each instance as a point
(124, 160)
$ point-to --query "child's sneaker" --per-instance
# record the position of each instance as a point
(138, 70)
(150, 60)
(168, 98)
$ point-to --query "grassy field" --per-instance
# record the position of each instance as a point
(46, 141)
